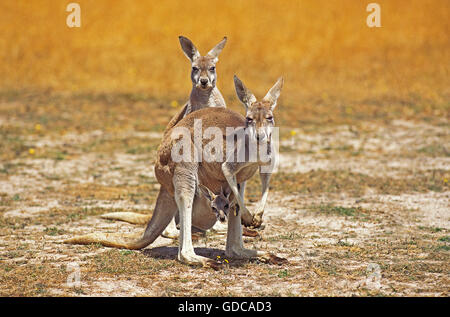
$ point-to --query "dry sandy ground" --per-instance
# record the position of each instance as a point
(381, 229)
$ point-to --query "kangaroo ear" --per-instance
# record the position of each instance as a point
(189, 48)
(214, 53)
(274, 92)
(226, 192)
(208, 194)
(244, 95)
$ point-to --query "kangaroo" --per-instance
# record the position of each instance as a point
(204, 91)
(218, 206)
(220, 203)
(180, 179)
(204, 94)
(259, 122)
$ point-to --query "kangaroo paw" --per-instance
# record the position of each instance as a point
(256, 222)
(247, 219)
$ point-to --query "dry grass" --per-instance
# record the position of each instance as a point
(356, 184)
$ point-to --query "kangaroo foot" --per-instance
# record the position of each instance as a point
(191, 258)
(170, 233)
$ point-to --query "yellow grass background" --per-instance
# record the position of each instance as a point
(324, 49)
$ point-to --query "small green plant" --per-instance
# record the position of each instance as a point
(79, 291)
(53, 231)
(60, 156)
(443, 248)
(344, 243)
(337, 210)
(432, 229)
(283, 273)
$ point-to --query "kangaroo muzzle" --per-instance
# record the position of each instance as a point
(221, 216)
(204, 83)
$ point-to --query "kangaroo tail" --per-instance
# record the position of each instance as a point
(165, 209)
(113, 240)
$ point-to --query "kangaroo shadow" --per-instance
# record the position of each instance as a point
(171, 253)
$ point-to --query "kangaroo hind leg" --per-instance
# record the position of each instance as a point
(185, 184)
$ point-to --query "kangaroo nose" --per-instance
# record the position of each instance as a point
(260, 137)
(222, 216)
(204, 81)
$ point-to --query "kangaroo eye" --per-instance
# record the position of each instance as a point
(195, 69)
(212, 69)
(249, 120)
(270, 118)
(227, 206)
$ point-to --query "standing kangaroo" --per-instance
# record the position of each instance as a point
(259, 123)
(180, 179)
(204, 94)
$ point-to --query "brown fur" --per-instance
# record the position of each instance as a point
(209, 174)
(198, 99)
(179, 183)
